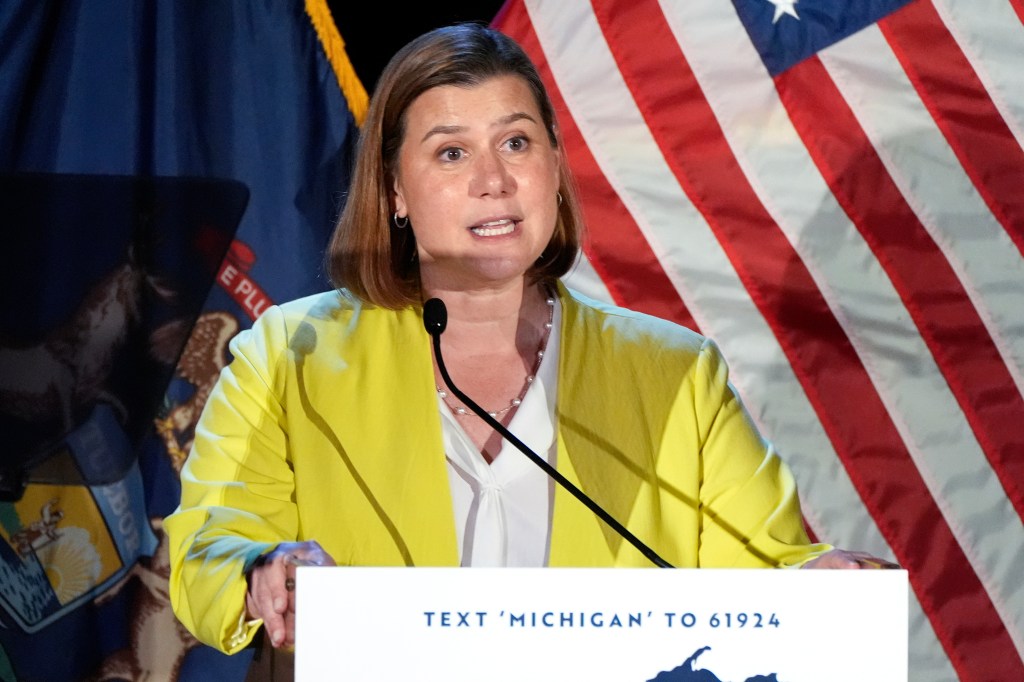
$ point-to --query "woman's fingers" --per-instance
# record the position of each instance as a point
(268, 596)
(272, 582)
(844, 559)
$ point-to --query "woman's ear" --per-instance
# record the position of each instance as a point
(398, 201)
(559, 160)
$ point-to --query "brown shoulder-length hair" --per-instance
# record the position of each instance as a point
(367, 255)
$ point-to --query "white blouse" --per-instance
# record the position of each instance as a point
(503, 509)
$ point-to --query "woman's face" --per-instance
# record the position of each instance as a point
(478, 179)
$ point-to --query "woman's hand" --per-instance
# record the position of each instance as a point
(271, 594)
(841, 558)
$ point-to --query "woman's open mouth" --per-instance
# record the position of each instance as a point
(494, 228)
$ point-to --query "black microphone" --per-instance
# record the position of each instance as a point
(435, 319)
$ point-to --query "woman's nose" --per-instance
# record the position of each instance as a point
(491, 176)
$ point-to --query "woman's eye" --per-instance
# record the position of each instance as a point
(451, 154)
(517, 144)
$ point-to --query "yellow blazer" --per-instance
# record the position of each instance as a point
(325, 426)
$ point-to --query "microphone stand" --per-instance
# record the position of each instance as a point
(434, 327)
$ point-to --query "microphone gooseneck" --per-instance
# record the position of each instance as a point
(435, 319)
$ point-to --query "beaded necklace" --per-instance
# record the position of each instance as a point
(460, 411)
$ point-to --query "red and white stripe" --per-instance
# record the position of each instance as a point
(851, 233)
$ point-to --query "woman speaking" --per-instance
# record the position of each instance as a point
(333, 438)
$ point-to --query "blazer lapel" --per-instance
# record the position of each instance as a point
(390, 397)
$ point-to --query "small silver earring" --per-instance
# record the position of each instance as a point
(559, 194)
(401, 223)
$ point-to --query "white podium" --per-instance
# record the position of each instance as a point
(588, 624)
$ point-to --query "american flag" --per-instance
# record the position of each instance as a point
(834, 192)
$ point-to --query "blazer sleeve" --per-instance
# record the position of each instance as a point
(750, 511)
(236, 490)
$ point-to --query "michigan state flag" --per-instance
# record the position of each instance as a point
(167, 171)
